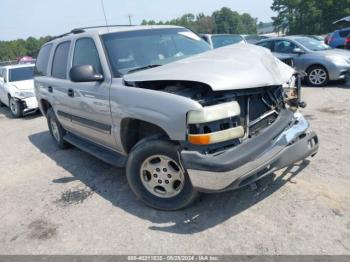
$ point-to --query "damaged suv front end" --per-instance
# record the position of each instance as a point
(248, 124)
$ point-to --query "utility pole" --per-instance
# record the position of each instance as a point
(130, 16)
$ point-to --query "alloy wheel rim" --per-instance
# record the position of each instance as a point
(13, 106)
(54, 129)
(318, 76)
(162, 176)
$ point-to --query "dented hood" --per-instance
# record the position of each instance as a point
(23, 85)
(239, 66)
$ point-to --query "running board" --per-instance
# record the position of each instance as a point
(104, 154)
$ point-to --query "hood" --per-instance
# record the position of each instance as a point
(23, 85)
(239, 66)
(338, 52)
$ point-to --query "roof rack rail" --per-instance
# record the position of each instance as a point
(82, 30)
(100, 26)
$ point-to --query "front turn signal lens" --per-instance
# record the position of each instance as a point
(216, 137)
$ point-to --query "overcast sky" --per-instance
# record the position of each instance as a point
(23, 18)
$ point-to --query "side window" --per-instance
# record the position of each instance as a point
(85, 53)
(344, 33)
(284, 46)
(43, 60)
(60, 61)
(267, 44)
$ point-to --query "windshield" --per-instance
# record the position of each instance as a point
(312, 44)
(224, 40)
(143, 49)
(21, 74)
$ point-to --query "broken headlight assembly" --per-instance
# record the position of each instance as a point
(292, 91)
(215, 124)
(24, 94)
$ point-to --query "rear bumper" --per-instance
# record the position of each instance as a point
(272, 150)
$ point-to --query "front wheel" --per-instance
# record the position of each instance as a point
(16, 107)
(56, 130)
(156, 176)
(317, 76)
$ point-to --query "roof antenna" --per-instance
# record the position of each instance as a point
(104, 13)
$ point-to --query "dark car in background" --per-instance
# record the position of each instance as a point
(338, 39)
(347, 42)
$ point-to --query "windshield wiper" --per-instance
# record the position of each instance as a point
(143, 68)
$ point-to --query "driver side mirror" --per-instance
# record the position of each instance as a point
(298, 51)
(85, 73)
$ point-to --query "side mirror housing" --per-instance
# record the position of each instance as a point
(84, 73)
(2, 79)
(298, 51)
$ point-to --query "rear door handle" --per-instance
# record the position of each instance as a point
(49, 88)
(70, 92)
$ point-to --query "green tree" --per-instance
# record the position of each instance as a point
(308, 17)
(11, 50)
(221, 21)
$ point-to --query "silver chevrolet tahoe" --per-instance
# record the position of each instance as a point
(180, 117)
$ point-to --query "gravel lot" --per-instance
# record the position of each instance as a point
(67, 202)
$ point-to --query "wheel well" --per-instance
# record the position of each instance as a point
(134, 130)
(45, 106)
(314, 65)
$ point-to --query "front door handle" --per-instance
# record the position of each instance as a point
(71, 92)
(49, 88)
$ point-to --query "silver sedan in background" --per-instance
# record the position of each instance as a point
(320, 62)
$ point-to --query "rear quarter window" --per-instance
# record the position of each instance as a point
(42, 61)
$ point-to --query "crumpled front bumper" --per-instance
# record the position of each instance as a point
(285, 142)
(30, 104)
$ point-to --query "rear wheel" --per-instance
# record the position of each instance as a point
(155, 175)
(16, 107)
(317, 76)
(56, 130)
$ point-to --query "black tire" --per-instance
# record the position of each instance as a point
(57, 136)
(145, 150)
(16, 107)
(311, 76)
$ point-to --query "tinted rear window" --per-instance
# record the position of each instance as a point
(43, 60)
(60, 61)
